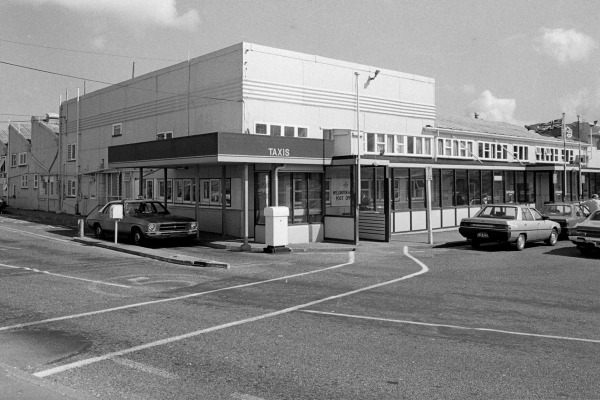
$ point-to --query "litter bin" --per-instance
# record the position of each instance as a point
(276, 229)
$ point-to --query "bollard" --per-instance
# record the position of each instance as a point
(81, 226)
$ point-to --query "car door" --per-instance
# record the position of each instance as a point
(542, 226)
(529, 226)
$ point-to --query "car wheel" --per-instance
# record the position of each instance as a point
(475, 244)
(585, 251)
(520, 242)
(99, 232)
(138, 237)
(551, 241)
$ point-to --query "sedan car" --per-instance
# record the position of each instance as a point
(566, 214)
(587, 234)
(142, 220)
(509, 223)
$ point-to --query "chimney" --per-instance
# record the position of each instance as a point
(476, 116)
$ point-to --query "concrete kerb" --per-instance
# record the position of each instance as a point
(160, 255)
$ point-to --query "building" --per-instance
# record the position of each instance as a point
(225, 135)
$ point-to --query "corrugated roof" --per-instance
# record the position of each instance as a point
(23, 129)
(474, 125)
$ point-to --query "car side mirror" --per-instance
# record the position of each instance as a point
(545, 217)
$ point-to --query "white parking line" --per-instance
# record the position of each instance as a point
(187, 296)
(144, 368)
(109, 356)
(400, 321)
(27, 233)
(63, 276)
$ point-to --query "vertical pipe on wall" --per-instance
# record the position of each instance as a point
(245, 246)
(357, 205)
(197, 195)
(165, 186)
(77, 165)
(223, 199)
(141, 184)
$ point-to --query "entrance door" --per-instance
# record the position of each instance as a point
(542, 188)
(374, 209)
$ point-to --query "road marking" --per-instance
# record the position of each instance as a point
(109, 356)
(242, 396)
(64, 276)
(187, 296)
(400, 321)
(38, 235)
(11, 248)
(144, 368)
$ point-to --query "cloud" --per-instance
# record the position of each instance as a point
(492, 108)
(468, 88)
(145, 12)
(565, 45)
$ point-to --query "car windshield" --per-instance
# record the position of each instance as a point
(556, 209)
(595, 216)
(146, 208)
(501, 212)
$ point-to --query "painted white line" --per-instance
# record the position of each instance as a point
(64, 276)
(144, 368)
(242, 396)
(109, 356)
(11, 248)
(187, 296)
(400, 321)
(37, 235)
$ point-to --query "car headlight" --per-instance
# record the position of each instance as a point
(151, 227)
(193, 225)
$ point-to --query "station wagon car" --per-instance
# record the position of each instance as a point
(142, 220)
(587, 234)
(509, 223)
(566, 214)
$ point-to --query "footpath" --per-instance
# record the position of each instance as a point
(17, 384)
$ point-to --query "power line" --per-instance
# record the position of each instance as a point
(88, 52)
(113, 84)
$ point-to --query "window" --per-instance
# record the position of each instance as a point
(302, 132)
(52, 186)
(338, 190)
(289, 131)
(448, 198)
(24, 181)
(116, 129)
(370, 142)
(13, 160)
(149, 186)
(22, 158)
(71, 152)
(71, 188)
(275, 130)
(381, 143)
(260, 129)
(301, 193)
(164, 135)
(521, 153)
(36, 180)
(400, 144)
(417, 187)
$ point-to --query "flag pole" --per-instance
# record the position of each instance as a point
(564, 136)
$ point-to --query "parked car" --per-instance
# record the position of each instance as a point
(587, 234)
(142, 220)
(509, 223)
(3, 204)
(566, 214)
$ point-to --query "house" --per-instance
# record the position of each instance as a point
(225, 135)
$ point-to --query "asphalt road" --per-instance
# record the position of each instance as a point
(400, 322)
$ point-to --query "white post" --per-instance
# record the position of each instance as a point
(116, 230)
(358, 179)
(429, 177)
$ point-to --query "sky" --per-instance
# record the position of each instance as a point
(516, 61)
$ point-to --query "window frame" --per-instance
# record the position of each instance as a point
(117, 129)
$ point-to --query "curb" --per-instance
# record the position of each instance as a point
(174, 259)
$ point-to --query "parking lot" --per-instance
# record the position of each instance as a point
(399, 320)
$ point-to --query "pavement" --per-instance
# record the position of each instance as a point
(17, 384)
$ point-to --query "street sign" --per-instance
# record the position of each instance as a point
(429, 173)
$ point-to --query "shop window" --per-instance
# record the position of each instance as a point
(401, 189)
(261, 196)
(462, 188)
(435, 188)
(417, 188)
(301, 193)
(149, 188)
(486, 187)
(448, 197)
(339, 199)
(474, 187)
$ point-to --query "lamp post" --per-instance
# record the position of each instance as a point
(580, 189)
(358, 179)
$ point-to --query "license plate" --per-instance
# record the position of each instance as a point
(482, 235)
